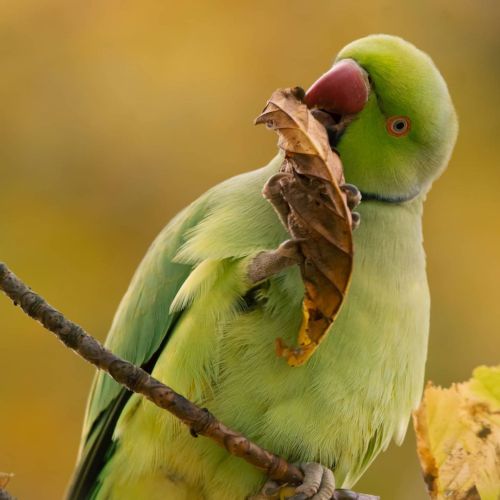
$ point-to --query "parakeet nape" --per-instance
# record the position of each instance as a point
(194, 318)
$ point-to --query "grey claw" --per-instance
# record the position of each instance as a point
(353, 195)
(356, 219)
(274, 184)
(345, 495)
(291, 249)
(342, 494)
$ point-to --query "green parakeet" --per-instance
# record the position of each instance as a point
(189, 319)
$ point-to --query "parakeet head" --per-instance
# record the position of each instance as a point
(401, 125)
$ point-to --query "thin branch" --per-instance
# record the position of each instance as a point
(5, 495)
(199, 420)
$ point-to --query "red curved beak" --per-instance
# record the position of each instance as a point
(344, 89)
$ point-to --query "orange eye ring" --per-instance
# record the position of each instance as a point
(398, 126)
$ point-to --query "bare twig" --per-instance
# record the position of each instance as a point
(5, 495)
(199, 420)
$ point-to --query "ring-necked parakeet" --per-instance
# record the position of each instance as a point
(194, 318)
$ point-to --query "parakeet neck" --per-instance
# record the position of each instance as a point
(388, 211)
(390, 237)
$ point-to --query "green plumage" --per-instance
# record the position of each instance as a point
(189, 318)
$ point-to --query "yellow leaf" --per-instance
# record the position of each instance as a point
(458, 437)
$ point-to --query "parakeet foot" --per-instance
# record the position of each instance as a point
(318, 484)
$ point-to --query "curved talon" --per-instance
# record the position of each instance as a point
(273, 186)
(353, 195)
(343, 494)
(291, 249)
(356, 219)
(273, 192)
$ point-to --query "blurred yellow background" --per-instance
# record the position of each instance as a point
(116, 114)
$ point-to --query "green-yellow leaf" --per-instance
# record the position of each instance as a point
(458, 438)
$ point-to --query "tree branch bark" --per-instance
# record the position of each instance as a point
(199, 420)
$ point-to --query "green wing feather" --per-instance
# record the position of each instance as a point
(141, 327)
(147, 315)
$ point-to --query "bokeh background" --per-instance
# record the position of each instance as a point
(116, 114)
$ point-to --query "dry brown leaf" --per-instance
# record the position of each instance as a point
(458, 438)
(307, 196)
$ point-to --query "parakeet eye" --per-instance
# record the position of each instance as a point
(398, 125)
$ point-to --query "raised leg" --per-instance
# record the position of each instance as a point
(266, 264)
